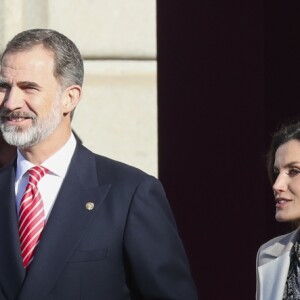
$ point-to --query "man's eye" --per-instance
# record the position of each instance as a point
(3, 88)
(293, 172)
(30, 88)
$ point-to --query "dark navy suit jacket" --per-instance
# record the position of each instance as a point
(126, 247)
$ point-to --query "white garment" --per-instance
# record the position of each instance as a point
(50, 184)
(272, 266)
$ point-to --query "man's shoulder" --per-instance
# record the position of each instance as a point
(114, 169)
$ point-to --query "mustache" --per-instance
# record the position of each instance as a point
(17, 114)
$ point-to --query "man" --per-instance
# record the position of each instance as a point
(93, 228)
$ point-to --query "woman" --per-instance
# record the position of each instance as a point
(278, 261)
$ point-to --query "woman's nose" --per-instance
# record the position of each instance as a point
(280, 184)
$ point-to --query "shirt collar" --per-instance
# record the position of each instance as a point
(57, 163)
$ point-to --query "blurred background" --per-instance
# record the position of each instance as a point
(228, 76)
(190, 92)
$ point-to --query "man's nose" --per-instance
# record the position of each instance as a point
(13, 99)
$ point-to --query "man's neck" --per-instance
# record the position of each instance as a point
(40, 152)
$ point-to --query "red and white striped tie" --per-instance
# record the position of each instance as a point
(31, 215)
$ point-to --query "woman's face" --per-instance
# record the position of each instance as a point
(287, 184)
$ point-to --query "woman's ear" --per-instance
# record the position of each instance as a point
(71, 97)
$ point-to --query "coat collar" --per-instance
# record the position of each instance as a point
(283, 245)
(272, 273)
(66, 225)
(272, 278)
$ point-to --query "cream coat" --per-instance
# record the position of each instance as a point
(272, 265)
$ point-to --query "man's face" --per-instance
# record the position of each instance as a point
(30, 97)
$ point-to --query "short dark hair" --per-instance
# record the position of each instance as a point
(68, 64)
(280, 137)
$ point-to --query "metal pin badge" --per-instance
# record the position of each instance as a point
(89, 205)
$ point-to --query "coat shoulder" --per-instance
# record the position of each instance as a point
(275, 247)
(110, 170)
(285, 238)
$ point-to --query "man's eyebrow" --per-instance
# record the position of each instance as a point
(4, 83)
(22, 84)
(28, 84)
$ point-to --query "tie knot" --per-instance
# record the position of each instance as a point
(36, 174)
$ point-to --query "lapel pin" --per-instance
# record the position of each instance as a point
(89, 205)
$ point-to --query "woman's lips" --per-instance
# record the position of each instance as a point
(280, 202)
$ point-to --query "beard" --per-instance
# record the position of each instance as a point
(40, 129)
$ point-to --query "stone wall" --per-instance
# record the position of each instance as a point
(117, 116)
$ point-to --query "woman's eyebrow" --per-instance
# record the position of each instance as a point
(288, 165)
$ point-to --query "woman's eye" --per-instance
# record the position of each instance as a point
(293, 171)
(275, 173)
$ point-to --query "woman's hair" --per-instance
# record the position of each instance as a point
(68, 64)
(283, 135)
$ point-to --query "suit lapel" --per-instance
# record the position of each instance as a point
(273, 274)
(12, 272)
(66, 225)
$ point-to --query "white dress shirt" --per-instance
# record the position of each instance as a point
(50, 184)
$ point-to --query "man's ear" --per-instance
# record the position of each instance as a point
(71, 97)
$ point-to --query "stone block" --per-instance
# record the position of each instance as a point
(107, 28)
(117, 115)
(100, 28)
